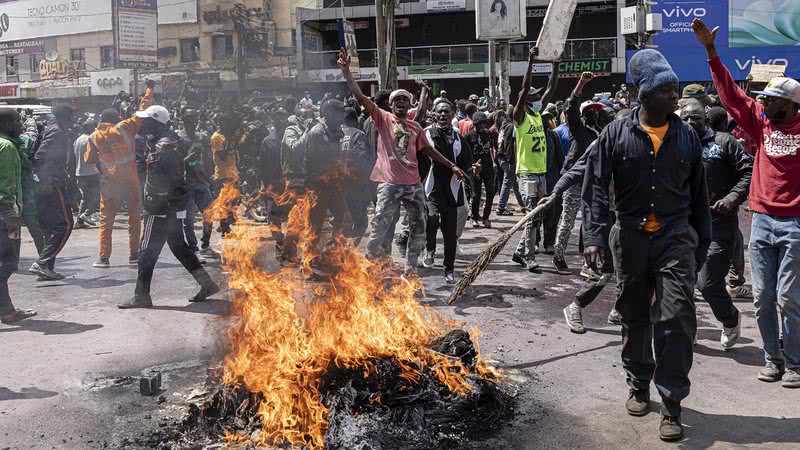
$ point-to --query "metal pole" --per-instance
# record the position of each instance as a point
(492, 74)
(136, 84)
(505, 67)
(380, 31)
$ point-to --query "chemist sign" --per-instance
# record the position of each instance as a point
(136, 33)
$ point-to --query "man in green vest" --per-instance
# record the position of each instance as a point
(10, 212)
(532, 155)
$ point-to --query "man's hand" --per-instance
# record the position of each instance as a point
(422, 84)
(586, 77)
(703, 34)
(458, 172)
(533, 54)
(549, 200)
(344, 61)
(593, 254)
(724, 205)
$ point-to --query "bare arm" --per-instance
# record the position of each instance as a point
(552, 85)
(519, 108)
(424, 103)
(363, 100)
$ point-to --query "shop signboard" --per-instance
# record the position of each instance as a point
(347, 41)
(9, 91)
(33, 19)
(110, 82)
(574, 69)
(763, 32)
(136, 33)
(432, 72)
(446, 5)
(25, 47)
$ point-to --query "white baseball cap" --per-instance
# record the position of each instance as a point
(591, 104)
(782, 87)
(401, 93)
(155, 112)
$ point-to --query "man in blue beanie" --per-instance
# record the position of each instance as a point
(659, 240)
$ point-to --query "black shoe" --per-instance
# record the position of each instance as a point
(561, 265)
(517, 258)
(504, 212)
(670, 429)
(449, 278)
(487, 223)
(205, 292)
(532, 266)
(137, 302)
(638, 402)
(17, 316)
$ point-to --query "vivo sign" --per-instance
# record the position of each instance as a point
(747, 63)
(679, 12)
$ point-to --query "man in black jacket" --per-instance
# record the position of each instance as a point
(443, 191)
(165, 199)
(50, 175)
(480, 142)
(660, 238)
(584, 129)
(728, 172)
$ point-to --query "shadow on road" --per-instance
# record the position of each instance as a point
(28, 393)
(212, 307)
(710, 429)
(100, 282)
(540, 362)
(749, 356)
(52, 327)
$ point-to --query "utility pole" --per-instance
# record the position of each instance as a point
(239, 15)
(492, 74)
(504, 49)
(387, 54)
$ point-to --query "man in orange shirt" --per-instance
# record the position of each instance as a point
(223, 151)
(113, 148)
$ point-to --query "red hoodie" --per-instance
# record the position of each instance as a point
(775, 189)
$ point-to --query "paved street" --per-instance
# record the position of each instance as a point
(64, 381)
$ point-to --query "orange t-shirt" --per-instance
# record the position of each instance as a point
(656, 137)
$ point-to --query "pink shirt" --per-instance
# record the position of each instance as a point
(399, 140)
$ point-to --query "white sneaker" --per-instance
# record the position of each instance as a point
(573, 315)
(459, 251)
(731, 335)
(427, 262)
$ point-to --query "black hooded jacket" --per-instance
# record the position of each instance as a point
(165, 186)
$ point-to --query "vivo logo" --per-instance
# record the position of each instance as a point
(753, 60)
(678, 12)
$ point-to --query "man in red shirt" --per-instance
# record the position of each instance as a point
(775, 202)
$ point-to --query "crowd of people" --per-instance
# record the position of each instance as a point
(657, 178)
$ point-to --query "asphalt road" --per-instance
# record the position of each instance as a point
(68, 377)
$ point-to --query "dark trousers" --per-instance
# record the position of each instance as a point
(226, 223)
(592, 288)
(199, 199)
(736, 273)
(157, 231)
(446, 219)
(55, 218)
(711, 280)
(89, 187)
(486, 178)
(549, 229)
(358, 200)
(9, 262)
(660, 264)
(328, 199)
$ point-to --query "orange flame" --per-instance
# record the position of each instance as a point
(290, 329)
(225, 204)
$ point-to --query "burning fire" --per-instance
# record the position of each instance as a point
(225, 204)
(290, 330)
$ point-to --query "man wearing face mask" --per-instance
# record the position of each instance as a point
(165, 199)
(583, 121)
(775, 202)
(11, 207)
(728, 172)
(659, 240)
(443, 190)
(532, 150)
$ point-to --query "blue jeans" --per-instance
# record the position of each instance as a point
(509, 176)
(775, 262)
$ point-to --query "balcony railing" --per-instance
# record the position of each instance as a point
(575, 49)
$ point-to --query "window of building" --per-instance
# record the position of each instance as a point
(35, 61)
(190, 50)
(78, 58)
(106, 56)
(12, 66)
(222, 47)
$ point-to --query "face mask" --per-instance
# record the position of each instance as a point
(535, 106)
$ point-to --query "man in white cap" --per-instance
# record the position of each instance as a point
(400, 140)
(775, 202)
(165, 200)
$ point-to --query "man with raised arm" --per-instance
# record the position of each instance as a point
(400, 140)
(532, 151)
(774, 128)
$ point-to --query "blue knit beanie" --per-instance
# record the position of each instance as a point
(649, 70)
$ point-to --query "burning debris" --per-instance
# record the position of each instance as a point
(354, 363)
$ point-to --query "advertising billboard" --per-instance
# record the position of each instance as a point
(136, 33)
(177, 11)
(500, 19)
(31, 19)
(750, 33)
